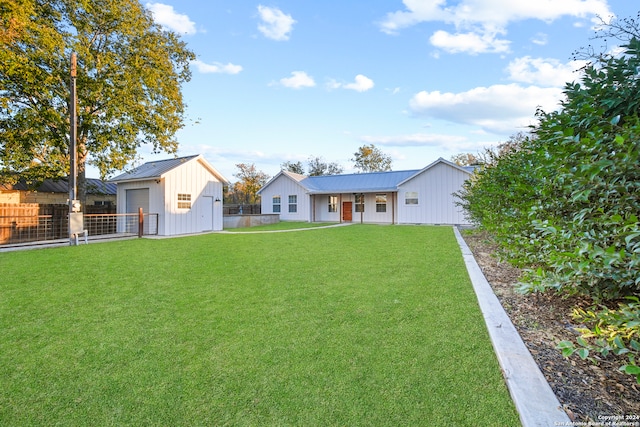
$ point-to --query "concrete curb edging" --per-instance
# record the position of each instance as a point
(534, 399)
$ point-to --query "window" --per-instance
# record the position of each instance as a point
(381, 202)
(293, 203)
(333, 203)
(184, 201)
(359, 202)
(411, 198)
(276, 204)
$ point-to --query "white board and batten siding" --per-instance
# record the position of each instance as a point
(320, 203)
(181, 191)
(435, 188)
(202, 189)
(284, 186)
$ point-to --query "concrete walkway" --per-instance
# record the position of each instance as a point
(534, 399)
(230, 231)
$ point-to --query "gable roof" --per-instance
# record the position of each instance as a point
(440, 160)
(291, 175)
(61, 185)
(156, 169)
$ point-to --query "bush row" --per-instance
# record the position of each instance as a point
(564, 200)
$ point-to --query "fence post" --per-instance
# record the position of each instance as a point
(140, 222)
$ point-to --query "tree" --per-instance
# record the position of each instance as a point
(318, 167)
(293, 167)
(250, 181)
(465, 159)
(369, 158)
(129, 77)
(14, 18)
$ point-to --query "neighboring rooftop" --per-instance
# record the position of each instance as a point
(61, 185)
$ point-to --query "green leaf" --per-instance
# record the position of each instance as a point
(567, 348)
(630, 369)
(583, 353)
(618, 342)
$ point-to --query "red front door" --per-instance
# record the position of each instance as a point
(346, 211)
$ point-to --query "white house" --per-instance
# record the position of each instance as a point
(185, 192)
(421, 196)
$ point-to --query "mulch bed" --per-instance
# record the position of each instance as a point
(588, 392)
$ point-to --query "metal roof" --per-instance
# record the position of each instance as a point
(154, 169)
(94, 186)
(357, 182)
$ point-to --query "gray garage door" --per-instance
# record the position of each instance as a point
(138, 198)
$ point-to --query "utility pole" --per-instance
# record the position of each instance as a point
(74, 204)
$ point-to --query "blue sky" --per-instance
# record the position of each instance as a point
(285, 80)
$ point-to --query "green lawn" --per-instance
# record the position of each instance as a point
(346, 326)
(281, 226)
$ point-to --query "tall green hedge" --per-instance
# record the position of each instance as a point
(565, 204)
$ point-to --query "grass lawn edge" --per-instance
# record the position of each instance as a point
(534, 399)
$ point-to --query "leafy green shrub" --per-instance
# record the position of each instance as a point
(564, 205)
(608, 331)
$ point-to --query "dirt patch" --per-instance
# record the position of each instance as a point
(588, 392)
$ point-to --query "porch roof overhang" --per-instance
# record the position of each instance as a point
(352, 191)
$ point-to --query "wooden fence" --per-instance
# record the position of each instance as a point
(15, 216)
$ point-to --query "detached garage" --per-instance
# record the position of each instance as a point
(185, 192)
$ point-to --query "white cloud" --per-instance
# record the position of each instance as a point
(546, 72)
(540, 39)
(413, 140)
(298, 79)
(497, 13)
(216, 67)
(477, 22)
(417, 11)
(499, 109)
(276, 24)
(472, 43)
(361, 83)
(164, 15)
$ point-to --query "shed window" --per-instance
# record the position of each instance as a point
(411, 198)
(381, 202)
(276, 204)
(184, 201)
(333, 203)
(293, 203)
(359, 202)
